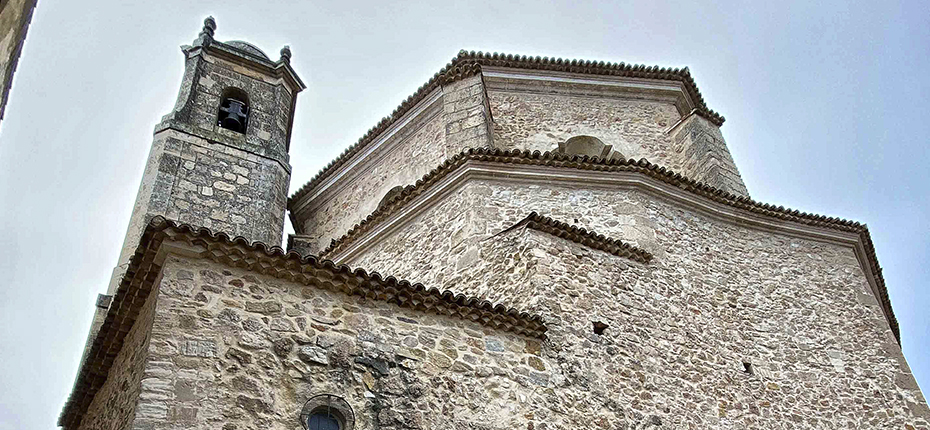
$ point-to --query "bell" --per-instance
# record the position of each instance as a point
(233, 115)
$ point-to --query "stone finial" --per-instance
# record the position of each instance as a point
(205, 38)
(286, 54)
(209, 26)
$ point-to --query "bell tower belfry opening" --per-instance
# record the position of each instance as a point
(234, 110)
(219, 159)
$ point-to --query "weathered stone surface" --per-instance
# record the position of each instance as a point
(197, 348)
(266, 308)
(413, 152)
(312, 354)
(459, 119)
(121, 398)
(715, 295)
(375, 373)
(728, 326)
(15, 17)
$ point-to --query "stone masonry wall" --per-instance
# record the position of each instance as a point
(194, 181)
(467, 115)
(202, 89)
(635, 128)
(441, 244)
(423, 145)
(538, 122)
(234, 350)
(799, 313)
(421, 149)
(14, 21)
(115, 405)
(706, 155)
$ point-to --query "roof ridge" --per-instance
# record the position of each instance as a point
(469, 63)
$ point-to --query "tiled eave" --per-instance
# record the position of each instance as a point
(696, 191)
(584, 237)
(467, 64)
(162, 237)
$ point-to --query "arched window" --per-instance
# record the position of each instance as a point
(588, 146)
(327, 412)
(234, 110)
(322, 420)
(393, 192)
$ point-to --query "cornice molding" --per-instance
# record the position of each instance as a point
(547, 168)
(614, 87)
(467, 64)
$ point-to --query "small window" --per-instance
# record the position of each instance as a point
(588, 146)
(327, 412)
(322, 420)
(390, 195)
(234, 110)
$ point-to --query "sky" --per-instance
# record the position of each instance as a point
(826, 107)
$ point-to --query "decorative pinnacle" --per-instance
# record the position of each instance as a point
(205, 38)
(209, 26)
(286, 54)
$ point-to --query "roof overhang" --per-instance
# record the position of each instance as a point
(630, 79)
(162, 238)
(551, 168)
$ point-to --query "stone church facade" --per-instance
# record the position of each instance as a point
(580, 248)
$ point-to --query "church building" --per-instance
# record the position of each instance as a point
(524, 243)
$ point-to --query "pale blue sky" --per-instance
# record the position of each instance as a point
(825, 105)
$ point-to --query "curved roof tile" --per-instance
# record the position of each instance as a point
(142, 272)
(584, 237)
(642, 166)
(469, 63)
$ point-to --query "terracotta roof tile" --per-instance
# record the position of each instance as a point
(467, 64)
(619, 165)
(142, 273)
(584, 237)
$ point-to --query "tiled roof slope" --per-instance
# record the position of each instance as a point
(140, 277)
(618, 165)
(584, 237)
(467, 64)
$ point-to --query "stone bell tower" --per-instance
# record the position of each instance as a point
(220, 158)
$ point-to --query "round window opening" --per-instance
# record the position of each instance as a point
(327, 412)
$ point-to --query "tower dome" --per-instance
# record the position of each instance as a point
(248, 48)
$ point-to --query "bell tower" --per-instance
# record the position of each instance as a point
(219, 159)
